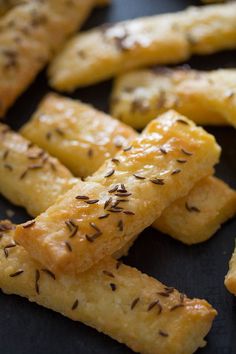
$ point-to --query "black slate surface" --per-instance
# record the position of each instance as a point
(198, 270)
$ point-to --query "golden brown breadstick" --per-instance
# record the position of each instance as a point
(118, 300)
(123, 197)
(170, 38)
(29, 177)
(230, 278)
(76, 133)
(30, 33)
(205, 97)
(83, 133)
(196, 217)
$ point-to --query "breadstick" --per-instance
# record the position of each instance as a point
(123, 197)
(196, 217)
(118, 300)
(104, 52)
(77, 134)
(230, 279)
(29, 177)
(205, 97)
(30, 33)
(215, 199)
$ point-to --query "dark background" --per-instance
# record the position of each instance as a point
(197, 270)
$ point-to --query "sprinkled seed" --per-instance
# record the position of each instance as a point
(104, 216)
(164, 294)
(134, 303)
(48, 135)
(114, 189)
(158, 181)
(159, 308)
(176, 171)
(22, 176)
(120, 225)
(110, 173)
(75, 305)
(107, 202)
(116, 161)
(90, 153)
(181, 161)
(82, 197)
(176, 307)
(169, 290)
(89, 238)
(28, 224)
(163, 151)
(153, 304)
(128, 212)
(113, 286)
(51, 274)
(94, 226)
(5, 154)
(68, 246)
(186, 152)
(8, 167)
(182, 121)
(109, 274)
(128, 148)
(115, 210)
(59, 131)
(5, 249)
(37, 277)
(126, 194)
(6, 226)
(163, 334)
(138, 177)
(118, 264)
(92, 201)
(192, 208)
(16, 273)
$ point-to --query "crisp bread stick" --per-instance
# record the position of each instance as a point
(230, 279)
(208, 98)
(130, 192)
(170, 38)
(118, 300)
(215, 199)
(81, 137)
(29, 177)
(198, 216)
(30, 34)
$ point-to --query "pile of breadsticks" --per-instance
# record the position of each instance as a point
(93, 183)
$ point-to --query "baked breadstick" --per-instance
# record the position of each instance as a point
(205, 97)
(104, 52)
(230, 279)
(215, 199)
(118, 300)
(30, 33)
(123, 197)
(29, 177)
(77, 134)
(196, 217)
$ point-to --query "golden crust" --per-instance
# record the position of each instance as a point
(131, 310)
(84, 126)
(107, 51)
(230, 278)
(29, 177)
(205, 97)
(198, 216)
(81, 137)
(147, 198)
(39, 30)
